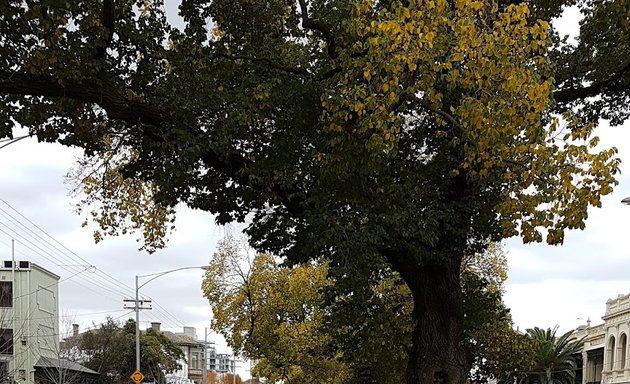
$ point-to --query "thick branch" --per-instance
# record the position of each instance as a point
(424, 104)
(118, 107)
(316, 25)
(107, 20)
(614, 84)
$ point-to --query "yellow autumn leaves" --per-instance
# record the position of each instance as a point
(480, 79)
(118, 204)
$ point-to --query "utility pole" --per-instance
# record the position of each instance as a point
(137, 306)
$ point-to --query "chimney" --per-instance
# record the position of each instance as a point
(191, 332)
(155, 326)
(75, 329)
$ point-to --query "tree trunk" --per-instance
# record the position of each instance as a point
(436, 355)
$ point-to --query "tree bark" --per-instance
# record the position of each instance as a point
(436, 355)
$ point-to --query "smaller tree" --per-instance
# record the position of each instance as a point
(110, 350)
(554, 357)
(62, 367)
(271, 313)
(493, 348)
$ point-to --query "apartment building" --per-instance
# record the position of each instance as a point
(29, 322)
(29, 328)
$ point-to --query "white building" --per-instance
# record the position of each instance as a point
(606, 355)
(29, 319)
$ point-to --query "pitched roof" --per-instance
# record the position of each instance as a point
(182, 339)
(51, 362)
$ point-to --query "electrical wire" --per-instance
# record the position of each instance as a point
(48, 248)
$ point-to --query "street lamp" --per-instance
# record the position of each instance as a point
(626, 201)
(137, 303)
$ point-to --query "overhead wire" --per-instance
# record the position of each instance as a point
(98, 292)
(74, 254)
(59, 254)
(57, 262)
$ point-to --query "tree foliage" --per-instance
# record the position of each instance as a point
(271, 314)
(110, 350)
(554, 357)
(367, 132)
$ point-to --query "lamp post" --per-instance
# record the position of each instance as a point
(626, 201)
(137, 303)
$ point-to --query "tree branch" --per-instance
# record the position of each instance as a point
(107, 21)
(269, 63)
(614, 84)
(429, 108)
(117, 106)
(132, 112)
(316, 25)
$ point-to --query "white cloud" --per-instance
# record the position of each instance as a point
(549, 285)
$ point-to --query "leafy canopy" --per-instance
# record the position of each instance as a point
(110, 350)
(409, 100)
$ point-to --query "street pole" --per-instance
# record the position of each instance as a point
(137, 308)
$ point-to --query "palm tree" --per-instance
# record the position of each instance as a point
(554, 357)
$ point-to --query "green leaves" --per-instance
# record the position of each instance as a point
(110, 350)
(272, 314)
(554, 357)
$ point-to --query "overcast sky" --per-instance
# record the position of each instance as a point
(562, 285)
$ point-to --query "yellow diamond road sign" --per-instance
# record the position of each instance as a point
(137, 377)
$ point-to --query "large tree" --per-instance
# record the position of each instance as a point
(407, 132)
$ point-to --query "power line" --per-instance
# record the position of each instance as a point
(42, 244)
(59, 256)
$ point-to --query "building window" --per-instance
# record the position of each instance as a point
(611, 353)
(6, 294)
(195, 361)
(6, 341)
(623, 341)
